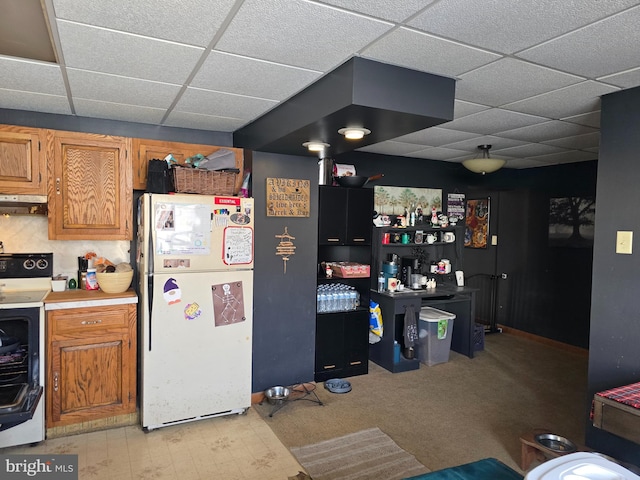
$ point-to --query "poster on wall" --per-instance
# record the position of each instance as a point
(571, 221)
(477, 223)
(288, 197)
(455, 207)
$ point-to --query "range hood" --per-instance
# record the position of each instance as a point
(23, 204)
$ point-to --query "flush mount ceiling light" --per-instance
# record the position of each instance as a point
(315, 146)
(484, 164)
(354, 133)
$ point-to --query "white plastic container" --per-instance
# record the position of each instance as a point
(434, 335)
(580, 466)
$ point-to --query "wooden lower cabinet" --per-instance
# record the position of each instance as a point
(91, 364)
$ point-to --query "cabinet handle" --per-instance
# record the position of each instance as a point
(355, 363)
(91, 322)
(358, 240)
(327, 367)
(58, 186)
(333, 239)
(55, 381)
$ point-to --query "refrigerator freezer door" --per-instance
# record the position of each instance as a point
(200, 232)
(196, 347)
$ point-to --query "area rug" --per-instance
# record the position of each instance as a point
(366, 455)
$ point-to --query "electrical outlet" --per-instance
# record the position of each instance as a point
(624, 241)
(494, 240)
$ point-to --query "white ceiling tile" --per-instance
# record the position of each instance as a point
(205, 102)
(602, 48)
(192, 22)
(108, 51)
(122, 90)
(439, 153)
(462, 108)
(391, 147)
(577, 142)
(547, 130)
(628, 79)
(471, 145)
(115, 111)
(36, 102)
(591, 119)
(417, 50)
(569, 156)
(393, 11)
(492, 121)
(435, 136)
(31, 76)
(224, 72)
(203, 122)
(298, 33)
(573, 100)
(508, 80)
(528, 150)
(508, 26)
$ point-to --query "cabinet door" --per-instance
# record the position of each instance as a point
(88, 380)
(356, 340)
(90, 190)
(329, 344)
(332, 216)
(145, 150)
(359, 216)
(23, 167)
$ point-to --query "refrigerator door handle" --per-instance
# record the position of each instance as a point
(150, 307)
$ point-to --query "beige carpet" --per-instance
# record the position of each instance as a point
(456, 412)
(365, 455)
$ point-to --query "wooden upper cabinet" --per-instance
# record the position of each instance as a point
(23, 167)
(145, 150)
(90, 188)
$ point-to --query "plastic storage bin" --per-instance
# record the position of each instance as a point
(434, 335)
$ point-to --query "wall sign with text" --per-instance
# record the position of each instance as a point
(288, 197)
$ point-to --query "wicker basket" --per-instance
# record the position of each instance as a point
(114, 282)
(207, 182)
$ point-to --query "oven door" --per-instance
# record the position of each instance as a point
(18, 404)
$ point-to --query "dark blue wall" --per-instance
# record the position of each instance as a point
(284, 303)
(614, 353)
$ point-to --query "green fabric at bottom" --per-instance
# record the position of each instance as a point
(487, 469)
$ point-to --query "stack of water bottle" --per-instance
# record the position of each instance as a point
(337, 297)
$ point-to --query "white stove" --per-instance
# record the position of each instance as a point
(25, 281)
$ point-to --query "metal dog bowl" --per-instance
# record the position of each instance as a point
(277, 395)
(556, 443)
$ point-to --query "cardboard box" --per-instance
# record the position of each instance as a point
(350, 270)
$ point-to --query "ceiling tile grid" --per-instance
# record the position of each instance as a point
(529, 73)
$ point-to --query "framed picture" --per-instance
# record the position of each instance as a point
(571, 221)
(393, 201)
(476, 230)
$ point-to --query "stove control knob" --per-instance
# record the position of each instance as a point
(42, 264)
(29, 264)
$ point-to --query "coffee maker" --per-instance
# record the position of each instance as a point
(390, 268)
(409, 266)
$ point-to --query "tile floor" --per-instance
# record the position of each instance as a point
(235, 447)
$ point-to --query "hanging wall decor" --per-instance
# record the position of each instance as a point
(402, 201)
(288, 197)
(477, 223)
(285, 247)
(571, 221)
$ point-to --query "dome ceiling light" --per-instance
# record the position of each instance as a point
(484, 164)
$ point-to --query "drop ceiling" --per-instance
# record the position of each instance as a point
(529, 74)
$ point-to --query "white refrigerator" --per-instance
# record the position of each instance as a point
(195, 267)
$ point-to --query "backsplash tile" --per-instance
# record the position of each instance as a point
(29, 234)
